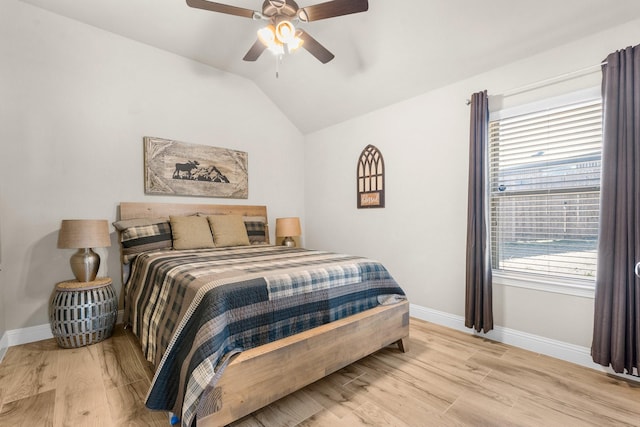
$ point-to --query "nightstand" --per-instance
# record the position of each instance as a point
(83, 313)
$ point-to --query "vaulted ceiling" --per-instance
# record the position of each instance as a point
(394, 51)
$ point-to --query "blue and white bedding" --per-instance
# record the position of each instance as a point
(193, 309)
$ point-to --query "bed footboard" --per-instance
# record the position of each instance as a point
(260, 376)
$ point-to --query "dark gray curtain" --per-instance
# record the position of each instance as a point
(616, 332)
(478, 299)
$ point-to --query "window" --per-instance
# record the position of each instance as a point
(545, 190)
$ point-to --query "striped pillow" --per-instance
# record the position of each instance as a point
(256, 229)
(142, 238)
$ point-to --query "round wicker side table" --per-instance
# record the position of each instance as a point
(83, 313)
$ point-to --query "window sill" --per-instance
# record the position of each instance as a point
(580, 288)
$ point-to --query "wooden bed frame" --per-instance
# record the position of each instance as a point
(257, 377)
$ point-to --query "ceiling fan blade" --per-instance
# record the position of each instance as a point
(255, 51)
(331, 9)
(222, 8)
(315, 48)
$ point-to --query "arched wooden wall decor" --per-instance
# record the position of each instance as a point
(370, 178)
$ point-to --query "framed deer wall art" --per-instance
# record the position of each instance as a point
(181, 169)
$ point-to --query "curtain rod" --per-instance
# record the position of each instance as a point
(551, 80)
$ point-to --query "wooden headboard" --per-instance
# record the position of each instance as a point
(130, 210)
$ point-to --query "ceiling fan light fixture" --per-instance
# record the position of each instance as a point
(296, 42)
(277, 49)
(285, 32)
(267, 35)
(281, 39)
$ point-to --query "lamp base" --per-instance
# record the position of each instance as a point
(85, 264)
(289, 242)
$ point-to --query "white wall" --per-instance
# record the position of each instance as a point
(420, 234)
(76, 103)
(4, 340)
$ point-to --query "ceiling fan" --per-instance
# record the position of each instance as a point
(280, 35)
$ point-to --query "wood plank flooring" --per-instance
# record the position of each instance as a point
(447, 378)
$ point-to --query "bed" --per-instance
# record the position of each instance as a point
(230, 329)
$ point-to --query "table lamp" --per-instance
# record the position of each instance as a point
(288, 228)
(84, 234)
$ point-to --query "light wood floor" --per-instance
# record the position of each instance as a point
(446, 378)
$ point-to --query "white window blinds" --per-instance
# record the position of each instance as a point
(545, 190)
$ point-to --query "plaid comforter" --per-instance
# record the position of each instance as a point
(193, 309)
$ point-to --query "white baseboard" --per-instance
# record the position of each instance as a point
(30, 334)
(535, 343)
(34, 333)
(4, 345)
